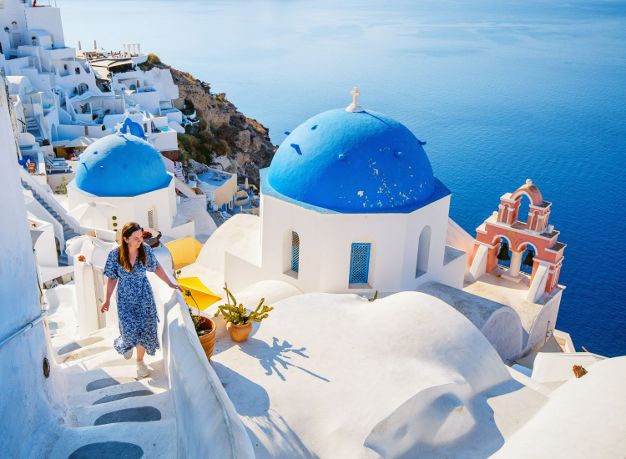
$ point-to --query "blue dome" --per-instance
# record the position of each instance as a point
(360, 162)
(121, 165)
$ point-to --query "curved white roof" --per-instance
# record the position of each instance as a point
(327, 374)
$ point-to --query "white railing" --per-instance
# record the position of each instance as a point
(207, 424)
(46, 195)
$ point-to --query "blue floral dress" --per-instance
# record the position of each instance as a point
(135, 302)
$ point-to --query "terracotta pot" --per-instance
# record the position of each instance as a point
(208, 339)
(239, 333)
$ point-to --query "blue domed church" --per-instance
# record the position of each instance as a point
(122, 178)
(349, 204)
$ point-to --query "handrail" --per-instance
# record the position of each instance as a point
(22, 329)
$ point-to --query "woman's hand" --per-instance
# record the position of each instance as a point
(175, 286)
(105, 306)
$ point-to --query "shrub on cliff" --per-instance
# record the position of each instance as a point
(151, 62)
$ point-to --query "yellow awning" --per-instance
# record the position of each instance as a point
(184, 251)
(201, 296)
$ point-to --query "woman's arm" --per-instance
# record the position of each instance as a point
(165, 278)
(111, 283)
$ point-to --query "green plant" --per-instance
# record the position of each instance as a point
(237, 314)
(201, 324)
(375, 297)
(61, 187)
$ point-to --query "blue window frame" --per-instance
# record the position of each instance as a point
(359, 262)
(295, 252)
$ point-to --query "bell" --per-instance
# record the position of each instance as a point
(503, 255)
(529, 258)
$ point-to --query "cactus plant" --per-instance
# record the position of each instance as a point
(237, 314)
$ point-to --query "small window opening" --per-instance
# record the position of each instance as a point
(152, 223)
(360, 262)
(295, 252)
(423, 252)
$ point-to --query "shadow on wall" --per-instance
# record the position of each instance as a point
(264, 426)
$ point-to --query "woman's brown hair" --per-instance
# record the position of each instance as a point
(124, 257)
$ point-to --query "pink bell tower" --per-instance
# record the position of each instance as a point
(533, 232)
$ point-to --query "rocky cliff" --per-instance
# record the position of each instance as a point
(225, 136)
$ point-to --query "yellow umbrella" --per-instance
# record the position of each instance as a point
(184, 251)
(201, 296)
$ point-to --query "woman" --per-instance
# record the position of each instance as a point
(136, 307)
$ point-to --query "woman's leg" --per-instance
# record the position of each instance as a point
(140, 353)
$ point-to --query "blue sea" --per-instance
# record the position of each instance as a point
(501, 91)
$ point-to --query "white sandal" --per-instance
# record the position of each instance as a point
(142, 370)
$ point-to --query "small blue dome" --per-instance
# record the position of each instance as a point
(359, 162)
(121, 165)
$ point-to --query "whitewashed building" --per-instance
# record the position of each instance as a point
(349, 204)
(122, 178)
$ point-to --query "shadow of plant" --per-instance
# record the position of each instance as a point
(276, 359)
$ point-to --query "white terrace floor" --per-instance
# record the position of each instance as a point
(110, 412)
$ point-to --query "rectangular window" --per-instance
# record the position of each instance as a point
(359, 262)
(295, 252)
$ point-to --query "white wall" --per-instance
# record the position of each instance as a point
(28, 420)
(544, 323)
(34, 207)
(210, 429)
(48, 19)
(13, 11)
(325, 247)
(136, 209)
(164, 141)
(45, 247)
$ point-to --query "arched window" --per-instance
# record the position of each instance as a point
(504, 252)
(524, 208)
(360, 262)
(423, 252)
(295, 252)
(528, 258)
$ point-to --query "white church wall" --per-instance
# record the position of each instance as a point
(544, 322)
(434, 216)
(240, 273)
(326, 240)
(453, 273)
(383, 231)
(162, 204)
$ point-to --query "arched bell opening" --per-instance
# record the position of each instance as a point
(503, 252)
(528, 259)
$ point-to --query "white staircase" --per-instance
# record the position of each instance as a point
(33, 127)
(71, 228)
